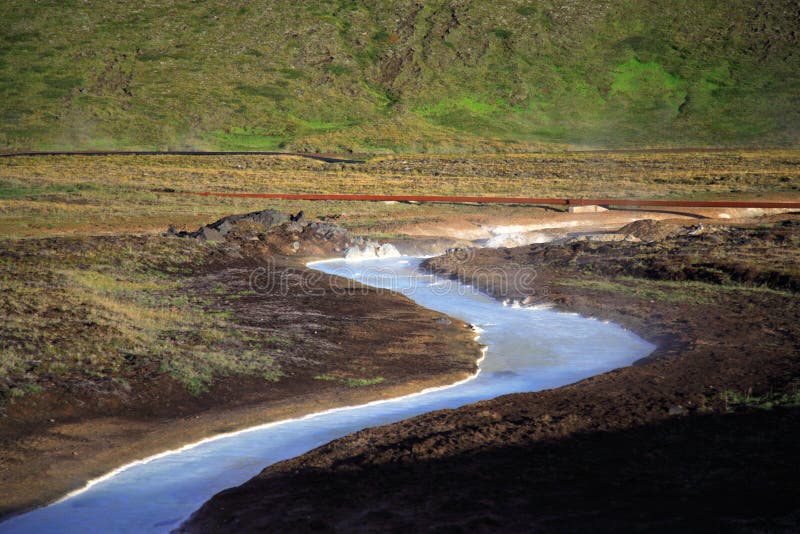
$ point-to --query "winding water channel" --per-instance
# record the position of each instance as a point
(528, 349)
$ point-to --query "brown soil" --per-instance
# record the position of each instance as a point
(57, 440)
(701, 435)
(462, 229)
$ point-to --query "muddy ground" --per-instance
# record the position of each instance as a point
(700, 435)
(65, 422)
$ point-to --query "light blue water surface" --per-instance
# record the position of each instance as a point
(528, 350)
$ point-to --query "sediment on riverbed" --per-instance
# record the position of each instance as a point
(700, 435)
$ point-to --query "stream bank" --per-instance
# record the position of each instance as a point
(78, 421)
(700, 435)
(157, 494)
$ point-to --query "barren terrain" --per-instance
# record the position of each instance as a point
(117, 348)
(119, 342)
(699, 435)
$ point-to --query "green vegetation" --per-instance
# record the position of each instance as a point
(648, 290)
(722, 264)
(351, 382)
(669, 291)
(98, 313)
(326, 377)
(362, 382)
(386, 76)
(243, 139)
(734, 400)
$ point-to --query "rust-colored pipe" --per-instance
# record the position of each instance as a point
(508, 200)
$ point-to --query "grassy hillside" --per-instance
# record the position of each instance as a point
(444, 75)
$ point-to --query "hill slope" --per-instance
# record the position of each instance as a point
(396, 74)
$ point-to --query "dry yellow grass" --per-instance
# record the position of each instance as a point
(91, 195)
(81, 310)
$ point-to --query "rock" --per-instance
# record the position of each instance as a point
(443, 320)
(649, 230)
(218, 230)
(173, 232)
(225, 228)
(280, 231)
(266, 217)
(676, 410)
(695, 230)
(295, 226)
(460, 251)
(207, 233)
(605, 238)
(326, 230)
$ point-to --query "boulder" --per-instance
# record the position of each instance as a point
(210, 234)
(218, 230)
(225, 227)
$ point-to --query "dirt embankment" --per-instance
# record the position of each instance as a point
(329, 343)
(701, 435)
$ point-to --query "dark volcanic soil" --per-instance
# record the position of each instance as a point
(78, 427)
(701, 435)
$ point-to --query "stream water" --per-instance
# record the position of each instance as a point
(529, 349)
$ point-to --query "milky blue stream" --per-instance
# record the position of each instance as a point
(528, 350)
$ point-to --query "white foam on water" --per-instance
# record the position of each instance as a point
(371, 252)
(518, 239)
(527, 349)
